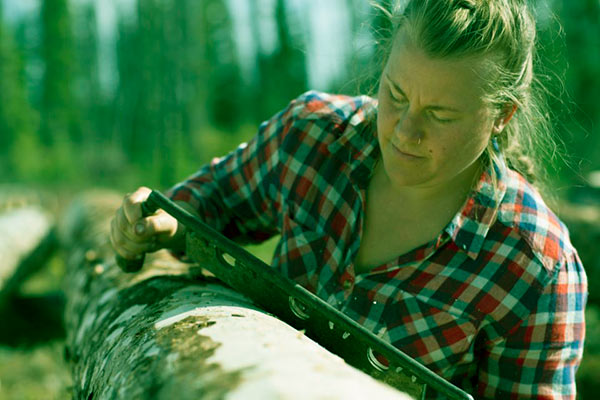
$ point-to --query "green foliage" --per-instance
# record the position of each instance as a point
(221, 74)
(581, 20)
(58, 110)
(178, 77)
(282, 75)
(37, 373)
(17, 118)
(587, 375)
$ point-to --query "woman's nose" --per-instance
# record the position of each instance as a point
(409, 126)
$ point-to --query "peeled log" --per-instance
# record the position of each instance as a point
(168, 333)
(14, 196)
(27, 239)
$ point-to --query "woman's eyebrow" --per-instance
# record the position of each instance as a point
(434, 107)
(395, 85)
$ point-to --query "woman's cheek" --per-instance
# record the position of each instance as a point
(448, 147)
(385, 122)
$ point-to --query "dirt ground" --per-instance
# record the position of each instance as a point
(32, 364)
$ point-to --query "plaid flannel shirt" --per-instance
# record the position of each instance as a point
(495, 304)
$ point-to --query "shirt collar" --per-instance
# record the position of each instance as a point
(357, 146)
(471, 224)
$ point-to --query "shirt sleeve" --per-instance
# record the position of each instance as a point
(539, 358)
(237, 194)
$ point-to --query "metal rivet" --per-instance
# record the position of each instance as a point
(378, 365)
(413, 378)
(228, 259)
(298, 308)
(331, 325)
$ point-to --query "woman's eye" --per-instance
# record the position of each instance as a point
(439, 119)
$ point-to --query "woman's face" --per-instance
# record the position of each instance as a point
(432, 123)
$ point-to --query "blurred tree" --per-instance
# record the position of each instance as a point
(59, 127)
(182, 92)
(222, 74)
(85, 80)
(371, 38)
(581, 21)
(282, 74)
(177, 74)
(141, 75)
(19, 149)
(128, 94)
(550, 65)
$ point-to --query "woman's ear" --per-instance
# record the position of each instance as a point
(507, 113)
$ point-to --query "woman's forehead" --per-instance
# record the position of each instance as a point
(458, 80)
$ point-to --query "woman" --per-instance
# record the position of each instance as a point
(411, 213)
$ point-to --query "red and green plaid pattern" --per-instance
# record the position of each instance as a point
(495, 304)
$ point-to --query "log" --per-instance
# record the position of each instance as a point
(27, 239)
(14, 196)
(167, 332)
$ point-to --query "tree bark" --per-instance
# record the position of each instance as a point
(166, 333)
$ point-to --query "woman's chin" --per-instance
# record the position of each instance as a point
(400, 174)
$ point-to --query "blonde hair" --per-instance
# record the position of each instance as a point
(504, 32)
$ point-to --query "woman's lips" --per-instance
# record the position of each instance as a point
(406, 155)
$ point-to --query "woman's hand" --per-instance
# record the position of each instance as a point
(131, 235)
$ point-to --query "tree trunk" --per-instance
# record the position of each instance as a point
(166, 332)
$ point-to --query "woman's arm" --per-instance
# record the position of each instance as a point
(539, 358)
(239, 194)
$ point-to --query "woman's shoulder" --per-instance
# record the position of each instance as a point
(337, 107)
(524, 210)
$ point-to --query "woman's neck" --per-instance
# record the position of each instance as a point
(450, 194)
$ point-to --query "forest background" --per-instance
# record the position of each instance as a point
(123, 93)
